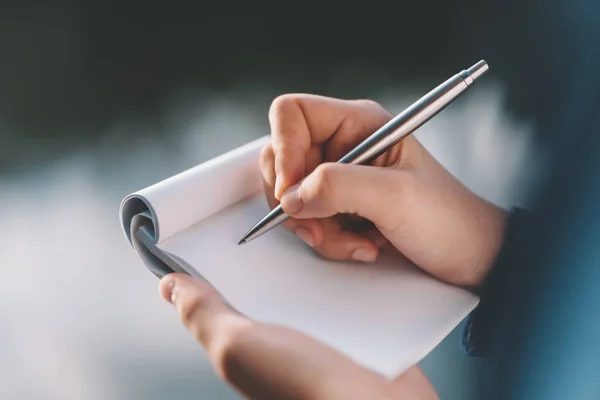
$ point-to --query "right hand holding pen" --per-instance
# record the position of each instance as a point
(405, 197)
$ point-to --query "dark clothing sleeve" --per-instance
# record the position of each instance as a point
(501, 293)
(539, 313)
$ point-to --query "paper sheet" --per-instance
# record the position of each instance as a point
(386, 316)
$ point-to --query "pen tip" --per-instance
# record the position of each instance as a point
(241, 242)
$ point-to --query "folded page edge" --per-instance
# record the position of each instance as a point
(132, 205)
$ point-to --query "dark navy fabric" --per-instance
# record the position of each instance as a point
(539, 315)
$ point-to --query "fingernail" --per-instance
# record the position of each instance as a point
(171, 291)
(306, 235)
(291, 201)
(174, 294)
(366, 255)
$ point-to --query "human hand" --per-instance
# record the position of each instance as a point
(405, 197)
(271, 362)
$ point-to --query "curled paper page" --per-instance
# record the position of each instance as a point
(166, 208)
(385, 315)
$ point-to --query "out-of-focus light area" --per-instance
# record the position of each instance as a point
(99, 99)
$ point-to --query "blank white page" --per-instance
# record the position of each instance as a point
(385, 316)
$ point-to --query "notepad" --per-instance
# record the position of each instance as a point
(386, 316)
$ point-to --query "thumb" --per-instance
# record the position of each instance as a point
(374, 193)
(202, 310)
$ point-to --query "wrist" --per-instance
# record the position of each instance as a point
(492, 222)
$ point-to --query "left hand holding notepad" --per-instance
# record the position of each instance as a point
(264, 361)
(413, 201)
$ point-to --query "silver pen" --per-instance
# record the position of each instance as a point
(389, 134)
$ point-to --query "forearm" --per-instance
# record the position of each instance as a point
(276, 363)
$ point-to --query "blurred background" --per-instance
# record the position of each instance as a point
(101, 98)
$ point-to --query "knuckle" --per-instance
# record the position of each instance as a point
(282, 151)
(368, 103)
(322, 188)
(377, 109)
(282, 103)
(353, 122)
(284, 155)
(323, 178)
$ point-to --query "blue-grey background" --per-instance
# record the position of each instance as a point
(98, 99)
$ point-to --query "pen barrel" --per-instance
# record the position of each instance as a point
(408, 121)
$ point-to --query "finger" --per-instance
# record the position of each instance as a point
(380, 195)
(375, 236)
(300, 120)
(354, 128)
(267, 166)
(202, 311)
(328, 238)
(366, 228)
(309, 230)
(349, 240)
(341, 244)
(314, 157)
